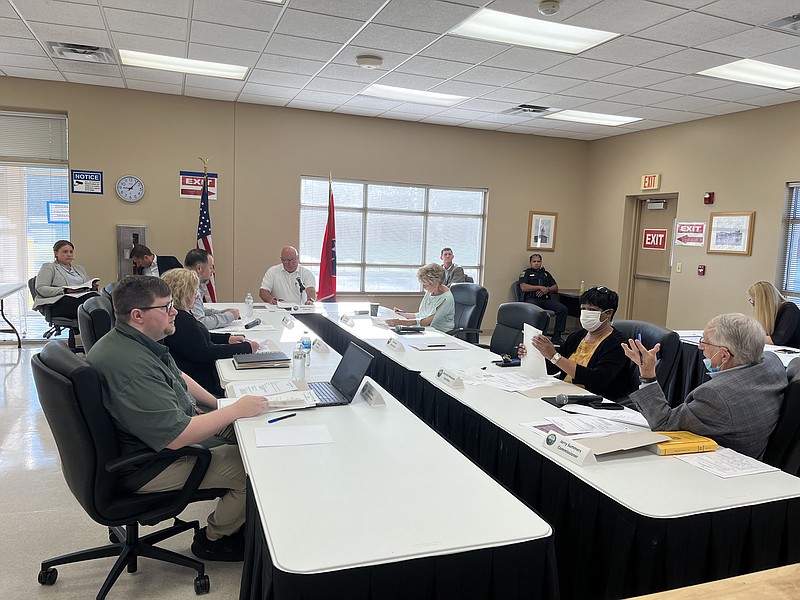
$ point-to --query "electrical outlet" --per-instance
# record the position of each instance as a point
(678, 267)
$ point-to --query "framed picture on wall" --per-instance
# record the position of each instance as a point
(542, 230)
(731, 233)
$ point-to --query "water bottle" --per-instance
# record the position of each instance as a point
(298, 363)
(582, 287)
(306, 342)
(248, 306)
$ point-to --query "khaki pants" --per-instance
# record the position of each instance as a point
(226, 471)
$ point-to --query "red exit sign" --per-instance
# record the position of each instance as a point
(651, 182)
(654, 239)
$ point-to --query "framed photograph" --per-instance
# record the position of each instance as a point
(731, 233)
(542, 230)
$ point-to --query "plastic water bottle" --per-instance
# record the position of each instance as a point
(306, 342)
(298, 363)
(582, 287)
(248, 306)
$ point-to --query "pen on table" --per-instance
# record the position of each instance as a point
(436, 345)
(276, 419)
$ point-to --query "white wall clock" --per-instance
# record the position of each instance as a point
(130, 188)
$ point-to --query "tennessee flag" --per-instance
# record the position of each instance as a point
(327, 267)
(204, 237)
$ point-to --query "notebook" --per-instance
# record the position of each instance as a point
(261, 360)
(345, 381)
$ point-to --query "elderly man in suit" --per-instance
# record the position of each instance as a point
(147, 263)
(739, 407)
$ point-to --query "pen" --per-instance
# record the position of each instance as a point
(436, 345)
(276, 419)
(639, 336)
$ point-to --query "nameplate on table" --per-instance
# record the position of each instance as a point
(321, 346)
(347, 320)
(449, 378)
(372, 395)
(288, 322)
(396, 345)
(569, 449)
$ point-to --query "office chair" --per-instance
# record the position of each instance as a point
(668, 363)
(471, 300)
(468, 279)
(107, 289)
(519, 296)
(783, 449)
(511, 318)
(95, 319)
(86, 438)
(57, 324)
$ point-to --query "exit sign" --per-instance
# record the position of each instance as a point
(651, 182)
(654, 239)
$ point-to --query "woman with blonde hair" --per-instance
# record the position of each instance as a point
(779, 317)
(192, 346)
(437, 308)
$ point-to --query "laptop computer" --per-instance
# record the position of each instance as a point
(345, 381)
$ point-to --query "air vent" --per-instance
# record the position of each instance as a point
(790, 24)
(528, 109)
(92, 54)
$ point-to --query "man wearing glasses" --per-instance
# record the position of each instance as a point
(288, 281)
(739, 407)
(155, 406)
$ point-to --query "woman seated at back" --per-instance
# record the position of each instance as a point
(591, 357)
(58, 279)
(192, 346)
(779, 317)
(437, 308)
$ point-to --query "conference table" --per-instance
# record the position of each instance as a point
(635, 523)
(389, 509)
(7, 290)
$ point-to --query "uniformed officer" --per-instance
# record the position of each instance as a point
(536, 285)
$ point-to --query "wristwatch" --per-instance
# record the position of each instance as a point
(555, 358)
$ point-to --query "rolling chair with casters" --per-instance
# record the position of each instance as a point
(95, 319)
(470, 300)
(70, 396)
(519, 296)
(511, 318)
(57, 324)
(783, 449)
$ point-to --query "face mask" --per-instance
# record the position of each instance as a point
(707, 363)
(590, 320)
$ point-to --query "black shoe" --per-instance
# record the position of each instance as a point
(557, 341)
(229, 548)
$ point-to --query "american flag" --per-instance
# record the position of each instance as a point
(204, 238)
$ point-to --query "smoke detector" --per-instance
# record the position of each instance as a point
(549, 7)
(368, 61)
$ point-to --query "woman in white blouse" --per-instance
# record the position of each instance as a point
(61, 277)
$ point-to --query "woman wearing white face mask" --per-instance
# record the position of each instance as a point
(591, 357)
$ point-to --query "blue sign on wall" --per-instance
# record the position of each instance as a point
(58, 212)
(86, 182)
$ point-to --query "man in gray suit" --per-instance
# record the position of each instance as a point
(452, 272)
(739, 407)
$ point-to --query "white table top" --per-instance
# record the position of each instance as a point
(6, 289)
(651, 485)
(388, 489)
(785, 353)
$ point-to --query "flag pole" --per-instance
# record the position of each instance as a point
(204, 231)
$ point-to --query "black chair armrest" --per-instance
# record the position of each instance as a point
(463, 331)
(166, 455)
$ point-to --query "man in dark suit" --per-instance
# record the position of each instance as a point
(147, 263)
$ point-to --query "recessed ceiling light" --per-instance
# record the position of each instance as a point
(389, 92)
(498, 26)
(181, 65)
(591, 118)
(757, 73)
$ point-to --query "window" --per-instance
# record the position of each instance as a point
(385, 232)
(789, 254)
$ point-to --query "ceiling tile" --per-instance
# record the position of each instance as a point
(154, 86)
(238, 13)
(784, 58)
(754, 13)
(584, 68)
(374, 103)
(753, 42)
(418, 109)
(61, 13)
(152, 75)
(527, 59)
(638, 77)
(607, 107)
(415, 82)
(289, 64)
(128, 21)
(298, 47)
(596, 90)
(173, 8)
(214, 83)
(546, 83)
(432, 67)
(79, 66)
(228, 37)
(289, 80)
(562, 102)
(28, 73)
(623, 16)
(316, 26)
(71, 35)
(691, 28)
(778, 97)
(311, 105)
(322, 84)
(26, 61)
(14, 28)
(463, 50)
(94, 79)
(352, 9)
(359, 112)
(229, 56)
(645, 97)
(383, 37)
(491, 76)
(689, 61)
(20, 46)
(154, 45)
(690, 84)
(266, 100)
(210, 94)
(631, 51)
(423, 15)
(489, 106)
(736, 92)
(274, 91)
(460, 88)
(513, 96)
(348, 73)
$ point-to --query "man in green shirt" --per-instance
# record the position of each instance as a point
(154, 405)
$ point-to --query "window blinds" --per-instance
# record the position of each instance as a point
(789, 253)
(29, 137)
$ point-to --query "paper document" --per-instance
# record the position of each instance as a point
(296, 400)
(262, 388)
(532, 364)
(577, 426)
(628, 416)
(379, 322)
(438, 346)
(726, 463)
(267, 346)
(86, 285)
(289, 435)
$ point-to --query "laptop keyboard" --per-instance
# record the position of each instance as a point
(325, 392)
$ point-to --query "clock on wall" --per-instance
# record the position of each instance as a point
(130, 188)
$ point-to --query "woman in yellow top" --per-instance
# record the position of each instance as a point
(591, 357)
(779, 317)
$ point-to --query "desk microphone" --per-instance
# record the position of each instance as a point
(562, 399)
(300, 284)
(253, 323)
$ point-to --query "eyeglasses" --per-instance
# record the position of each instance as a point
(167, 307)
(288, 261)
(703, 342)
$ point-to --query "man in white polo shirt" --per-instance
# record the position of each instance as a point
(288, 281)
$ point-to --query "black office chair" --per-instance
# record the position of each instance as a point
(783, 449)
(471, 300)
(57, 324)
(511, 318)
(468, 279)
(106, 290)
(519, 296)
(86, 438)
(668, 363)
(95, 319)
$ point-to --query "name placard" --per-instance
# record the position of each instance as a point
(347, 320)
(395, 345)
(321, 346)
(288, 321)
(570, 449)
(372, 395)
(449, 378)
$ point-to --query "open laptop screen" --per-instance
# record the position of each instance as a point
(351, 370)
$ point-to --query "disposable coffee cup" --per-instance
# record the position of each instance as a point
(373, 308)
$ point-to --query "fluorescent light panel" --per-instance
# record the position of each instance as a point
(577, 116)
(181, 65)
(498, 26)
(757, 73)
(389, 92)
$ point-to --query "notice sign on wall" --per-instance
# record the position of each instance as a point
(191, 185)
(690, 234)
(86, 182)
(654, 239)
